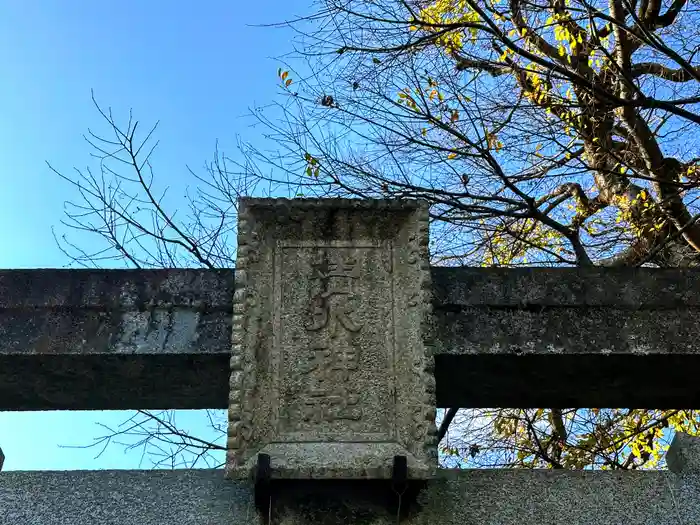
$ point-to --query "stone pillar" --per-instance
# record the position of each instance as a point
(331, 373)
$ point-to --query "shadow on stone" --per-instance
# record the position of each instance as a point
(360, 502)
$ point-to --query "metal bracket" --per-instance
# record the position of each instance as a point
(405, 490)
(399, 473)
(263, 483)
(398, 494)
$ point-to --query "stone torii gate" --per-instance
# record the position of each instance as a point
(331, 345)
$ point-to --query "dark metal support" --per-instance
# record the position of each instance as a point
(398, 494)
(399, 474)
(263, 485)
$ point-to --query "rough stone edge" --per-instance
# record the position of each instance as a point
(376, 462)
(425, 363)
(239, 426)
(329, 202)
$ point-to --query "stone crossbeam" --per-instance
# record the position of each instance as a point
(121, 339)
(489, 497)
(114, 339)
(486, 497)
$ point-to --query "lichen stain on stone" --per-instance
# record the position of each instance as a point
(555, 349)
(157, 330)
(183, 328)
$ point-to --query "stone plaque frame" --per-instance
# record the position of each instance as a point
(331, 373)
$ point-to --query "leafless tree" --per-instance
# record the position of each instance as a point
(542, 132)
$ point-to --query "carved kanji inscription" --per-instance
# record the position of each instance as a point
(336, 336)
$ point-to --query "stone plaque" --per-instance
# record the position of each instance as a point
(330, 369)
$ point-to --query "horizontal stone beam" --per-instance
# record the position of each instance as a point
(623, 288)
(566, 337)
(120, 339)
(488, 497)
(114, 339)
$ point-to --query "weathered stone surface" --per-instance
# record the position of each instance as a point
(119, 290)
(114, 339)
(554, 330)
(683, 456)
(123, 497)
(488, 497)
(621, 288)
(536, 337)
(113, 312)
(84, 339)
(331, 375)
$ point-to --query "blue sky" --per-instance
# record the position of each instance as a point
(197, 67)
